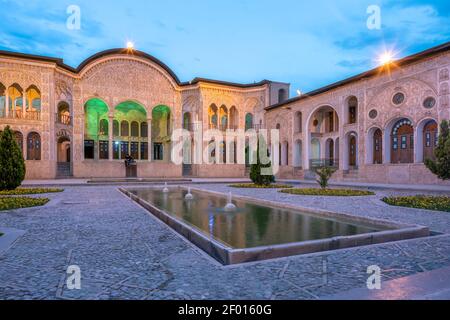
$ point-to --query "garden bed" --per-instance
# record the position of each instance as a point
(328, 192)
(257, 186)
(420, 202)
(11, 203)
(24, 191)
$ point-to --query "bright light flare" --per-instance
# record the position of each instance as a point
(130, 45)
(386, 57)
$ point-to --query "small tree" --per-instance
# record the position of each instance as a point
(255, 170)
(12, 165)
(325, 174)
(441, 167)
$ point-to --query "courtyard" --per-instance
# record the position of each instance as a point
(126, 253)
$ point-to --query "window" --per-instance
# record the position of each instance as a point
(429, 103)
(123, 149)
(373, 114)
(134, 150)
(398, 98)
(103, 127)
(144, 130)
(331, 121)
(282, 95)
(428, 139)
(104, 150)
(89, 149)
(116, 150)
(395, 143)
(124, 129)
(352, 114)
(19, 139)
(158, 151)
(404, 144)
(34, 146)
(144, 151)
(135, 129)
(116, 128)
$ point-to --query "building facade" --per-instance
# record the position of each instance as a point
(376, 127)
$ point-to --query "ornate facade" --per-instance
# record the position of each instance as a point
(83, 122)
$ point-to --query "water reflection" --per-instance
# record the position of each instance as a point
(251, 225)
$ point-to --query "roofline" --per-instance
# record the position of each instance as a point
(120, 51)
(368, 74)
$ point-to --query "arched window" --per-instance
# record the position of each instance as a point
(282, 95)
(187, 121)
(19, 139)
(124, 129)
(2, 101)
(34, 146)
(329, 152)
(213, 117)
(353, 151)
(430, 140)
(103, 127)
(352, 110)
(223, 114)
(402, 149)
(378, 147)
(144, 130)
(15, 94)
(248, 121)
(223, 152)
(234, 118)
(64, 113)
(298, 122)
(116, 128)
(135, 129)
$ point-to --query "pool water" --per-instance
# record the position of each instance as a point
(252, 225)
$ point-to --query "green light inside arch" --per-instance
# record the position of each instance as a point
(131, 112)
(95, 111)
(160, 112)
(161, 122)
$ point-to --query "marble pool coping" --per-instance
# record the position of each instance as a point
(230, 256)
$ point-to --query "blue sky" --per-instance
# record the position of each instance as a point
(307, 43)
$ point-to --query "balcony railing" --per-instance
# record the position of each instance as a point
(64, 119)
(318, 163)
(18, 114)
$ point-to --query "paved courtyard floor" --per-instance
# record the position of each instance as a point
(125, 253)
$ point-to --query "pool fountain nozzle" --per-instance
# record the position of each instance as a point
(189, 195)
(230, 207)
(166, 189)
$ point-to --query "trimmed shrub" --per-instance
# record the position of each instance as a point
(441, 167)
(12, 164)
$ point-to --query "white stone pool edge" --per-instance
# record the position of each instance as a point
(229, 256)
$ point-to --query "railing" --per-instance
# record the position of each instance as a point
(18, 114)
(318, 163)
(63, 119)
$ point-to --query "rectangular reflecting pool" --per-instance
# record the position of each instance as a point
(257, 231)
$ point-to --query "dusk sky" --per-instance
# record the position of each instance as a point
(306, 43)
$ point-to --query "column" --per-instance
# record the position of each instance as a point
(149, 134)
(24, 104)
(110, 137)
(7, 103)
(139, 141)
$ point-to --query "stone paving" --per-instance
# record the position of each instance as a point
(125, 253)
